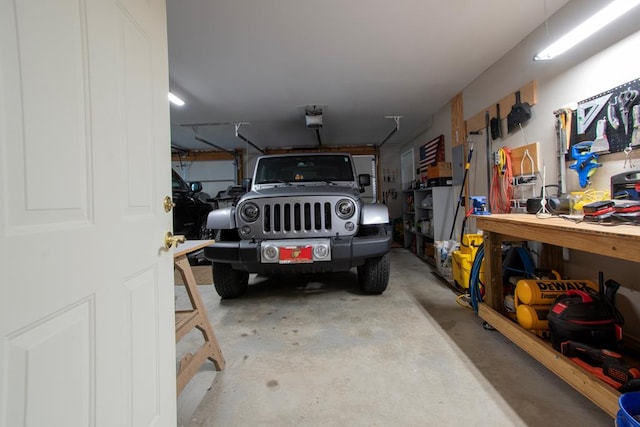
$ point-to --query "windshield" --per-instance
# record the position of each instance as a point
(287, 169)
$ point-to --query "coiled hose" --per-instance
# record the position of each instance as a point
(476, 286)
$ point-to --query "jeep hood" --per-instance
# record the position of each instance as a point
(297, 190)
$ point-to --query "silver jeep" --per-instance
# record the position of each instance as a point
(302, 213)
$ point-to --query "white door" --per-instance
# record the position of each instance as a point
(86, 294)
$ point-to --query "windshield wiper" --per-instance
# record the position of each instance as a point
(275, 181)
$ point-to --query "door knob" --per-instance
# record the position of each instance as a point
(171, 240)
(168, 204)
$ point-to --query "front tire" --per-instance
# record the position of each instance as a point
(229, 283)
(373, 275)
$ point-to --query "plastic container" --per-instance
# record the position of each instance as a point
(629, 413)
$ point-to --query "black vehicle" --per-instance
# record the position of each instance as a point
(190, 212)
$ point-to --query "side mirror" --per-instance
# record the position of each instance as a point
(364, 180)
(246, 184)
(196, 187)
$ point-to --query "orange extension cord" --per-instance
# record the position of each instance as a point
(501, 183)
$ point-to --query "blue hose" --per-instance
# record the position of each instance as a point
(474, 278)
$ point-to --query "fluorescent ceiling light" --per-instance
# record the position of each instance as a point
(179, 102)
(614, 10)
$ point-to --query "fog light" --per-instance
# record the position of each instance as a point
(270, 253)
(349, 226)
(320, 251)
(246, 230)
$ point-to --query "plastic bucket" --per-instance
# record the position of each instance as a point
(629, 413)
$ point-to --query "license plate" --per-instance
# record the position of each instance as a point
(295, 254)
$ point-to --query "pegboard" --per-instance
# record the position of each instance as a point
(607, 106)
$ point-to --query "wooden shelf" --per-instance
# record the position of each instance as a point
(619, 242)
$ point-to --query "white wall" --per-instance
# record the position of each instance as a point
(606, 60)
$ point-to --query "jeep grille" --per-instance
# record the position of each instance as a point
(297, 217)
(286, 218)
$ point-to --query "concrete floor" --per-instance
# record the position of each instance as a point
(314, 351)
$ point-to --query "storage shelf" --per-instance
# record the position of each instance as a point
(620, 242)
(439, 214)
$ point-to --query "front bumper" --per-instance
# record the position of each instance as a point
(346, 253)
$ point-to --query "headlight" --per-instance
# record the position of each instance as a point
(345, 208)
(250, 212)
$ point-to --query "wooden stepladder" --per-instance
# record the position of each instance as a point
(197, 317)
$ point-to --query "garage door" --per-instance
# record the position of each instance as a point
(215, 175)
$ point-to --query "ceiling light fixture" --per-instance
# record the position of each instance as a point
(177, 101)
(605, 16)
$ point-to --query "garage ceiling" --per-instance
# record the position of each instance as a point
(264, 61)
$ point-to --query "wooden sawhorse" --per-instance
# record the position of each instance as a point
(197, 318)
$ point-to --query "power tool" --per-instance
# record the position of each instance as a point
(605, 364)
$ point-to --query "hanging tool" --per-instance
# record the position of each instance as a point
(496, 125)
(564, 117)
(488, 148)
(601, 143)
(520, 113)
(527, 156)
(464, 180)
(628, 160)
(586, 161)
(611, 113)
(635, 135)
(626, 99)
(589, 110)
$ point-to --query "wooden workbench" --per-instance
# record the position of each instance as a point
(187, 320)
(614, 241)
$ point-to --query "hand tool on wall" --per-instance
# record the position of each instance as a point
(628, 160)
(611, 113)
(489, 155)
(588, 111)
(563, 128)
(601, 143)
(625, 100)
(635, 135)
(586, 161)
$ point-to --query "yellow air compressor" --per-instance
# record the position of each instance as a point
(533, 299)
(463, 259)
(533, 317)
(538, 292)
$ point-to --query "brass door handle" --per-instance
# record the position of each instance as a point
(168, 204)
(171, 240)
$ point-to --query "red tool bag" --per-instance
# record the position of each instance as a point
(585, 317)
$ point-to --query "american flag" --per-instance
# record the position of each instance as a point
(429, 154)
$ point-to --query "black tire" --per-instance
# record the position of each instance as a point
(229, 283)
(373, 275)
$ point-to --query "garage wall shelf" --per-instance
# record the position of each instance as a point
(427, 218)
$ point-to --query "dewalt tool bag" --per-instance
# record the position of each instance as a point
(586, 317)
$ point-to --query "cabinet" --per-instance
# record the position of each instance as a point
(622, 242)
(427, 216)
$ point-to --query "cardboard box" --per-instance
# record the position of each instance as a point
(439, 170)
